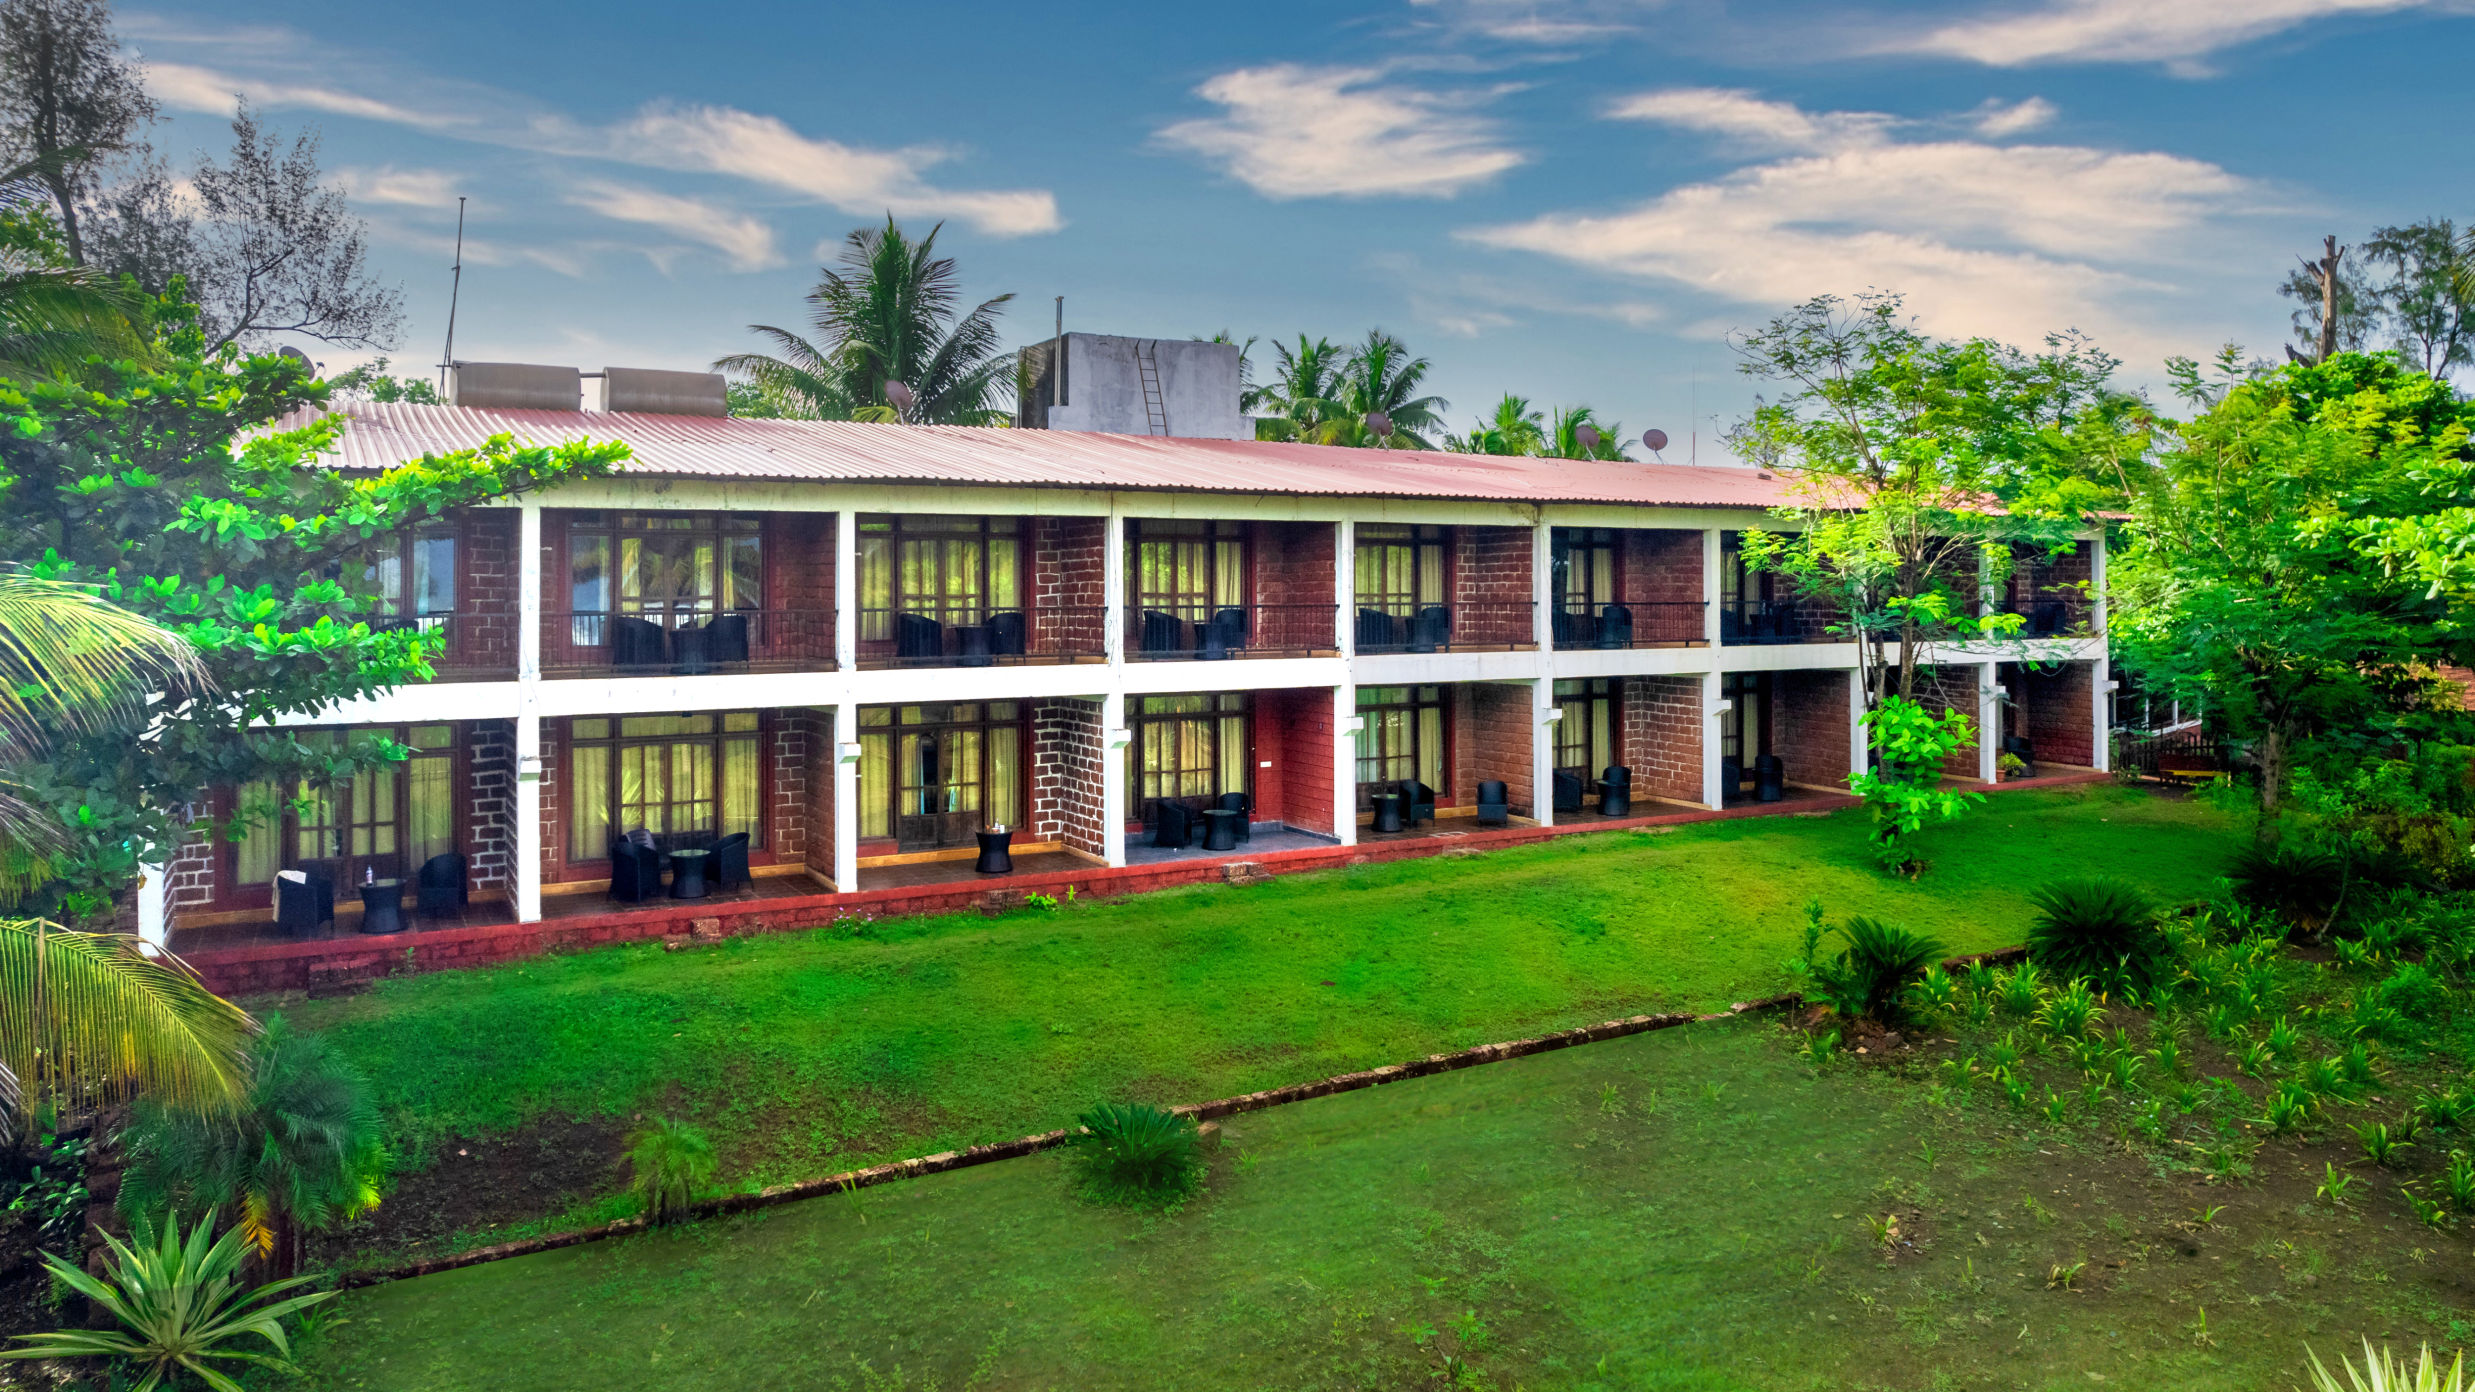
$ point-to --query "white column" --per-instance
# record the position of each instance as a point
(846, 602)
(1858, 745)
(1710, 586)
(1345, 724)
(1713, 706)
(1113, 741)
(154, 917)
(1345, 587)
(846, 794)
(1543, 598)
(1989, 722)
(527, 848)
(1543, 722)
(2096, 584)
(1113, 592)
(2101, 667)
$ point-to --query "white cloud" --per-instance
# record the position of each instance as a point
(1751, 120)
(1291, 131)
(411, 188)
(1542, 22)
(2010, 241)
(746, 243)
(1996, 121)
(2178, 33)
(191, 88)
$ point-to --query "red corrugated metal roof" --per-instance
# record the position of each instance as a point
(381, 435)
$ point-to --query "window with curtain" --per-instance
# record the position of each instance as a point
(1189, 569)
(1399, 569)
(673, 569)
(1585, 733)
(416, 577)
(1403, 737)
(686, 779)
(383, 822)
(1190, 746)
(954, 570)
(1583, 568)
(931, 776)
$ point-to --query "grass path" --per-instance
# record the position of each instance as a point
(808, 1053)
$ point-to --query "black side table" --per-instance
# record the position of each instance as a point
(1220, 833)
(382, 906)
(687, 874)
(996, 853)
(1387, 811)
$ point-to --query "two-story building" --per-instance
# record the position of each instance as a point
(862, 645)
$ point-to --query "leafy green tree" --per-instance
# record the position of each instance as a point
(1515, 427)
(886, 314)
(2430, 307)
(54, 313)
(181, 493)
(301, 1153)
(1382, 376)
(1903, 791)
(2299, 564)
(1304, 392)
(2337, 305)
(372, 382)
(70, 99)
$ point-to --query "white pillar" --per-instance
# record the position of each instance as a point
(1543, 722)
(846, 601)
(1345, 725)
(1345, 588)
(2096, 584)
(527, 848)
(1113, 595)
(846, 795)
(1858, 744)
(1544, 601)
(1710, 586)
(1114, 738)
(1989, 721)
(2101, 666)
(1713, 706)
(154, 915)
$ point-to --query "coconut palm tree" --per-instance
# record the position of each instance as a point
(885, 314)
(1564, 439)
(1383, 378)
(55, 315)
(1514, 428)
(1304, 391)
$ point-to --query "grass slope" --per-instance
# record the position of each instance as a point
(807, 1053)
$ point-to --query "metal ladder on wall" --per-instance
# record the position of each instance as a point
(1147, 366)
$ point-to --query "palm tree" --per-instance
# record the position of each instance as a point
(54, 315)
(1515, 428)
(90, 1018)
(1383, 377)
(1304, 391)
(1564, 440)
(887, 314)
(302, 1153)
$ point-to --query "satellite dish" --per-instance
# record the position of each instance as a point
(292, 354)
(1589, 437)
(899, 396)
(1377, 423)
(1655, 438)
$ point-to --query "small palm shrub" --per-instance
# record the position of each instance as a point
(670, 1161)
(180, 1304)
(2382, 1373)
(2100, 929)
(1131, 1152)
(2295, 882)
(1874, 974)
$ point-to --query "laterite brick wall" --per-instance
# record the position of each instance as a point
(1952, 688)
(1069, 583)
(1293, 733)
(1663, 732)
(1499, 743)
(486, 586)
(787, 829)
(2053, 709)
(1491, 585)
(1293, 578)
(1810, 732)
(490, 804)
(1066, 759)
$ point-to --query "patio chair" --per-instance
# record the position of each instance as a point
(1731, 778)
(726, 638)
(1170, 824)
(442, 887)
(1615, 626)
(1243, 805)
(918, 637)
(691, 650)
(1417, 802)
(303, 901)
(1375, 631)
(2048, 619)
(1494, 807)
(1163, 632)
(1006, 634)
(635, 870)
(1615, 791)
(1226, 633)
(1568, 792)
(636, 642)
(727, 865)
(1432, 629)
(1769, 778)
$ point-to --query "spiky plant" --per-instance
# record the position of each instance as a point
(1878, 968)
(181, 1305)
(2100, 929)
(671, 1160)
(1133, 1152)
(2382, 1372)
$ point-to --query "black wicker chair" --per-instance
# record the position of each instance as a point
(1417, 802)
(635, 871)
(1171, 826)
(1006, 632)
(727, 866)
(1615, 791)
(1243, 806)
(442, 887)
(1568, 793)
(304, 900)
(1494, 808)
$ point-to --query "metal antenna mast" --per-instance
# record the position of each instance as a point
(454, 289)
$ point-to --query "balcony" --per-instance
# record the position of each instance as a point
(593, 644)
(2059, 612)
(1765, 622)
(1632, 624)
(1167, 632)
(1042, 635)
(1479, 626)
(473, 646)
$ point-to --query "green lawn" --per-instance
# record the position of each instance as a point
(1685, 1209)
(809, 1053)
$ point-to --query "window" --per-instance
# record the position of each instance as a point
(672, 569)
(416, 577)
(1191, 746)
(1744, 731)
(952, 570)
(1585, 734)
(1399, 569)
(1189, 569)
(1584, 568)
(931, 776)
(1403, 737)
(383, 823)
(686, 779)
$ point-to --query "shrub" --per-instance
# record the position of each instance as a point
(1130, 1152)
(2413, 990)
(671, 1160)
(2020, 988)
(2100, 929)
(2070, 1012)
(2381, 1373)
(2298, 883)
(180, 1303)
(1877, 969)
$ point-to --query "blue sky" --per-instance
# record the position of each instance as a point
(1571, 199)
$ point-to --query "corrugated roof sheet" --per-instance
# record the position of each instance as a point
(381, 435)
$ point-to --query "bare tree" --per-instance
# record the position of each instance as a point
(2340, 308)
(267, 248)
(69, 99)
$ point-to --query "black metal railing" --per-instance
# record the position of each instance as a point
(925, 637)
(2060, 612)
(589, 643)
(1160, 632)
(1779, 621)
(466, 645)
(1424, 628)
(1632, 624)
